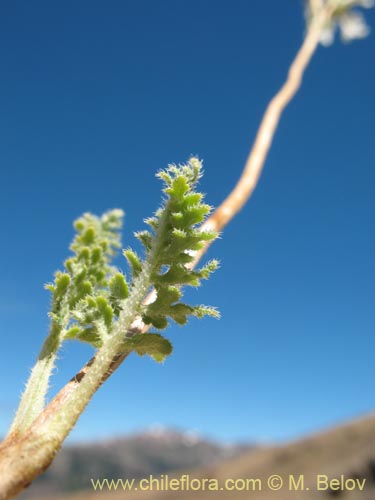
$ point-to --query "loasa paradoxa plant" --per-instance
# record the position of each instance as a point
(93, 302)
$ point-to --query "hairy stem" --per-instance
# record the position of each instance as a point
(34, 397)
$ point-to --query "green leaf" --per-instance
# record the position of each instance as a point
(89, 236)
(118, 287)
(174, 239)
(205, 271)
(134, 262)
(157, 320)
(178, 274)
(91, 296)
(200, 311)
(91, 336)
(105, 311)
(96, 255)
(145, 237)
(73, 332)
(62, 281)
(152, 344)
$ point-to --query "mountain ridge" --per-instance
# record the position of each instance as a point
(347, 449)
(155, 450)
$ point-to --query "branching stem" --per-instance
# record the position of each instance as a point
(246, 184)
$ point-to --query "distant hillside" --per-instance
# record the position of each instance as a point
(155, 451)
(348, 450)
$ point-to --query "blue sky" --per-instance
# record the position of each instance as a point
(95, 97)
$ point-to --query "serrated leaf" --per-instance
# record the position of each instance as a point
(145, 237)
(192, 199)
(179, 187)
(205, 271)
(178, 274)
(153, 222)
(165, 296)
(200, 311)
(152, 344)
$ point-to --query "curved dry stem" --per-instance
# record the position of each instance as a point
(258, 154)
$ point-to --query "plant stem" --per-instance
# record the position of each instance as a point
(238, 197)
(33, 399)
(266, 132)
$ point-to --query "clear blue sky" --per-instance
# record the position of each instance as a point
(95, 97)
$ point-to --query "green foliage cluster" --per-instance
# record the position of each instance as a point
(80, 297)
(90, 295)
(173, 239)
